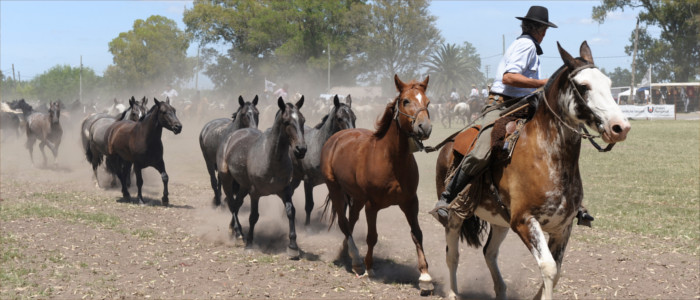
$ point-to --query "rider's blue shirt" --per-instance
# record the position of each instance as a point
(521, 57)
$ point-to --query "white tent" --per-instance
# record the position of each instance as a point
(623, 96)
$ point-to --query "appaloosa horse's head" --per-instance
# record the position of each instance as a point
(292, 122)
(590, 101)
(411, 108)
(247, 113)
(167, 116)
(54, 112)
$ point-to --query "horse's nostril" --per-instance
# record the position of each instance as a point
(617, 128)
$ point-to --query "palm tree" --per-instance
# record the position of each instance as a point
(452, 66)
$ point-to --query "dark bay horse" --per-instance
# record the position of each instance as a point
(538, 190)
(217, 131)
(308, 168)
(47, 128)
(139, 143)
(258, 164)
(377, 169)
(94, 128)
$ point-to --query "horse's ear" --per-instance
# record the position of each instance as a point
(348, 100)
(280, 103)
(115, 101)
(156, 101)
(255, 100)
(399, 84)
(336, 101)
(586, 52)
(300, 103)
(566, 57)
(167, 100)
(144, 101)
(132, 101)
(424, 84)
(240, 101)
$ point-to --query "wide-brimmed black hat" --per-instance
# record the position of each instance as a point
(538, 14)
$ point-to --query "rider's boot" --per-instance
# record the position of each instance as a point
(584, 218)
(453, 188)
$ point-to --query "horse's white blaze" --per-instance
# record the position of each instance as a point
(295, 116)
(420, 98)
(600, 99)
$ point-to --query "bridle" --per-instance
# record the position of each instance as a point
(585, 134)
(413, 118)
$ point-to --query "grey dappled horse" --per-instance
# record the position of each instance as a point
(217, 131)
(308, 168)
(94, 128)
(258, 164)
(47, 128)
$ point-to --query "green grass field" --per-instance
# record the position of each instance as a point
(648, 185)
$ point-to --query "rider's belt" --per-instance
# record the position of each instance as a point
(495, 98)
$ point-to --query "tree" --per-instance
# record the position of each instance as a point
(62, 82)
(453, 67)
(674, 54)
(275, 39)
(403, 34)
(150, 56)
(619, 76)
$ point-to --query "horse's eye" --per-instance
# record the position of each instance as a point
(406, 102)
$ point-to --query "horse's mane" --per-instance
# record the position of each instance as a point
(384, 122)
(556, 74)
(323, 121)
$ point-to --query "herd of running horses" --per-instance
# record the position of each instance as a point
(535, 190)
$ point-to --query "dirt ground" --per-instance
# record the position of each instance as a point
(70, 239)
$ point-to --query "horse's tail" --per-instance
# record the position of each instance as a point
(113, 164)
(472, 230)
(332, 215)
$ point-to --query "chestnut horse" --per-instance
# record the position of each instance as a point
(538, 190)
(377, 169)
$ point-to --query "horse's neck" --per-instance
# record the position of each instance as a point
(395, 142)
(326, 131)
(559, 140)
(150, 127)
(276, 142)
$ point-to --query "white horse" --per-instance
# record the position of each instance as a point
(462, 111)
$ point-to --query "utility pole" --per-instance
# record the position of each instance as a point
(487, 74)
(80, 95)
(13, 73)
(329, 68)
(504, 45)
(196, 74)
(634, 58)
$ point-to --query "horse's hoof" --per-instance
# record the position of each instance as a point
(165, 202)
(293, 254)
(358, 270)
(426, 288)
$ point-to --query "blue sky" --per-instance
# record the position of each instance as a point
(37, 35)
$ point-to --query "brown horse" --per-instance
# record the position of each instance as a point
(538, 190)
(375, 170)
(139, 143)
(46, 128)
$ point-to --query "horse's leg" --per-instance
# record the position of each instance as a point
(117, 167)
(139, 181)
(496, 237)
(42, 144)
(160, 166)
(309, 196)
(234, 206)
(452, 232)
(371, 216)
(252, 219)
(293, 248)
(530, 232)
(410, 210)
(557, 246)
(352, 248)
(340, 207)
(215, 185)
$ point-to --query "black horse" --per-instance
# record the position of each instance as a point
(139, 143)
(258, 164)
(217, 131)
(308, 168)
(47, 128)
(94, 128)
